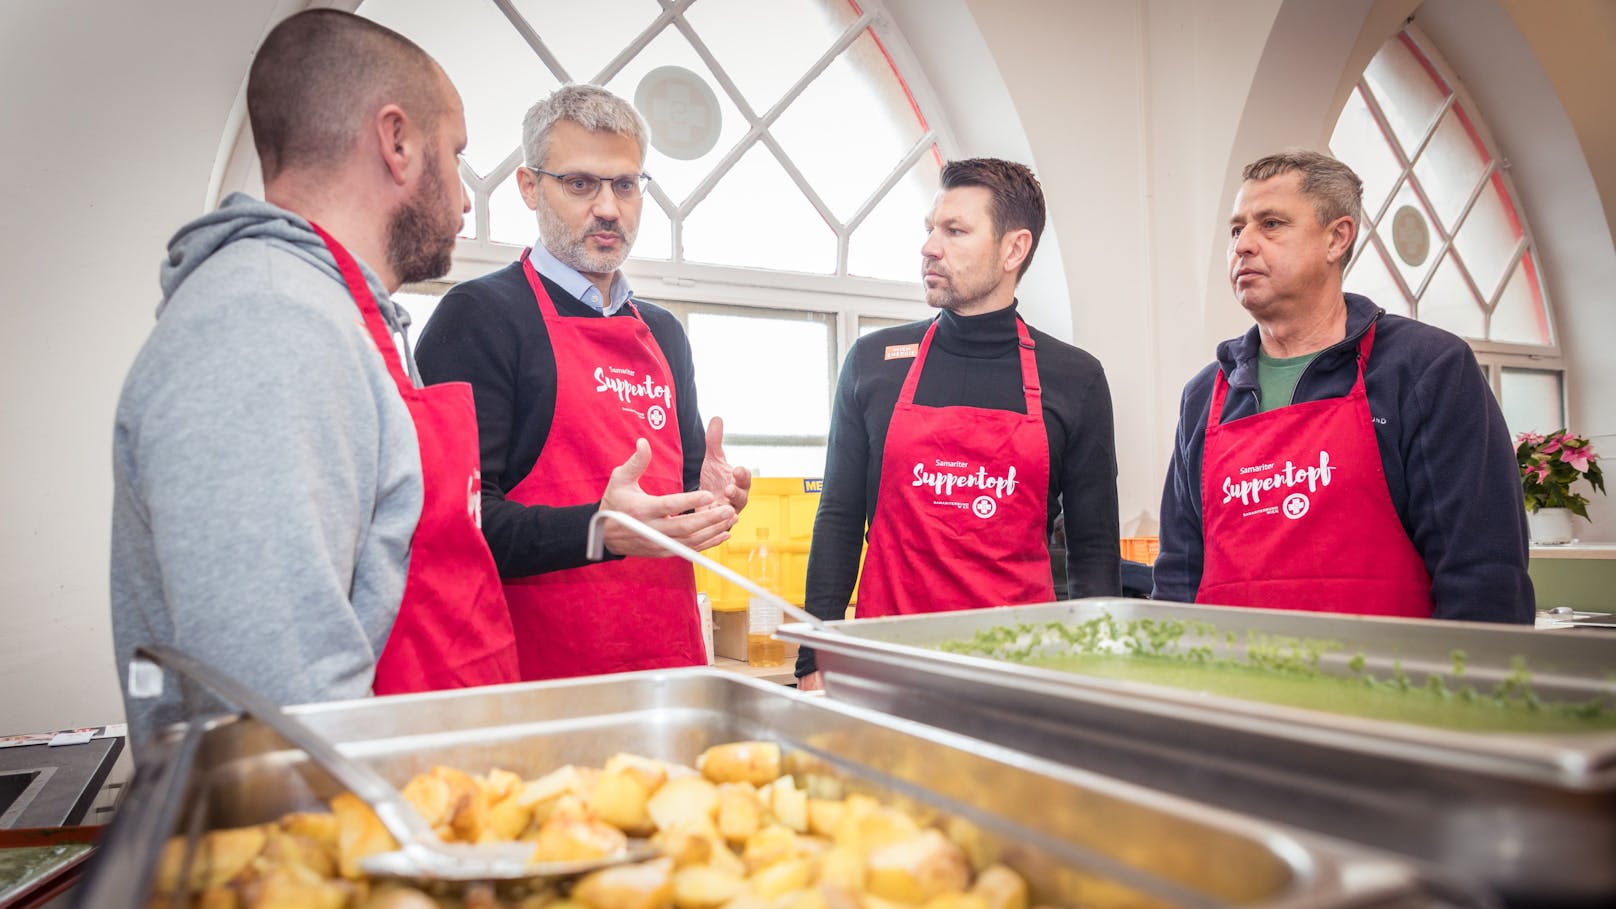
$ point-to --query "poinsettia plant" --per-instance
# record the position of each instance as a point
(1551, 463)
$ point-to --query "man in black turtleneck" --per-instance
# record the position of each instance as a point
(957, 441)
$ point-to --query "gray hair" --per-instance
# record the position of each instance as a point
(590, 106)
(1335, 190)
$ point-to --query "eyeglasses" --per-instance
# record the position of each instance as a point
(587, 186)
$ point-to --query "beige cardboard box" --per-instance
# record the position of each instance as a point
(729, 637)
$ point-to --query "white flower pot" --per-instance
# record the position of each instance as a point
(1549, 526)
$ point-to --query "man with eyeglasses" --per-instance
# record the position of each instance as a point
(586, 400)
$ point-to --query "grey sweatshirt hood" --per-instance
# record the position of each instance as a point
(241, 217)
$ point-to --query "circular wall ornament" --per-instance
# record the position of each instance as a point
(681, 110)
(1411, 236)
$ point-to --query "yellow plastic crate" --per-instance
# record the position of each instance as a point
(1141, 549)
(786, 506)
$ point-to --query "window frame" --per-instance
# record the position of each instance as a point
(683, 286)
(1494, 356)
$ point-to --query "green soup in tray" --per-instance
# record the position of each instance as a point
(1292, 672)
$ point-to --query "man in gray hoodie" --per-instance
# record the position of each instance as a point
(276, 465)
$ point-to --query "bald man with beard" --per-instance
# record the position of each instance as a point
(290, 503)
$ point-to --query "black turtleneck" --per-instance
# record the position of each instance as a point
(973, 362)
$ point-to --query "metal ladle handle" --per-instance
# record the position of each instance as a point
(597, 550)
(398, 816)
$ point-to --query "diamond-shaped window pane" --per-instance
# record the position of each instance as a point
(1368, 276)
(887, 243)
(757, 218)
(1359, 142)
(1407, 234)
(1520, 316)
(1408, 89)
(763, 375)
(509, 218)
(586, 37)
(1451, 166)
(850, 127)
(763, 70)
(655, 240)
(688, 113)
(497, 74)
(1487, 239)
(1448, 303)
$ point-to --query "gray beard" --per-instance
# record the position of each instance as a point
(574, 251)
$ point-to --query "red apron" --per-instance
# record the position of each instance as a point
(1295, 512)
(962, 512)
(452, 630)
(613, 386)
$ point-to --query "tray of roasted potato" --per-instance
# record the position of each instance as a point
(750, 796)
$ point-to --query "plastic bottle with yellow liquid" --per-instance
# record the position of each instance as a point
(762, 616)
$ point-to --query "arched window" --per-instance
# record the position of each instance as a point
(1445, 239)
(792, 167)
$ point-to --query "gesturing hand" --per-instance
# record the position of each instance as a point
(696, 519)
(723, 482)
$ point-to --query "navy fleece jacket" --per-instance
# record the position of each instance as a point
(1449, 463)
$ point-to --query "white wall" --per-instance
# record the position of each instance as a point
(981, 121)
(114, 113)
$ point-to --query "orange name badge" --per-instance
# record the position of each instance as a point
(902, 351)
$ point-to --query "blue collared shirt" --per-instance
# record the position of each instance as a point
(573, 282)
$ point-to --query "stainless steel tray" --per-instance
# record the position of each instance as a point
(1532, 815)
(1079, 838)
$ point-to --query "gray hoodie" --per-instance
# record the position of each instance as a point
(267, 481)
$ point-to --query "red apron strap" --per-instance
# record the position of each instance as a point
(359, 289)
(911, 380)
(1029, 370)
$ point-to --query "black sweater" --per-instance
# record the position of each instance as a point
(489, 332)
(974, 361)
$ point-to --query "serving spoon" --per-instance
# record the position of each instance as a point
(596, 550)
(422, 855)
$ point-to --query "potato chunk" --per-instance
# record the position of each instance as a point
(866, 824)
(295, 887)
(740, 814)
(359, 833)
(646, 885)
(842, 868)
(783, 877)
(565, 839)
(917, 869)
(757, 763)
(682, 802)
(220, 856)
(1001, 888)
(788, 804)
(767, 846)
(544, 794)
(824, 815)
(619, 798)
(689, 844)
(649, 771)
(705, 887)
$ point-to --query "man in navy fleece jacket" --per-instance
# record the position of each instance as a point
(1388, 489)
